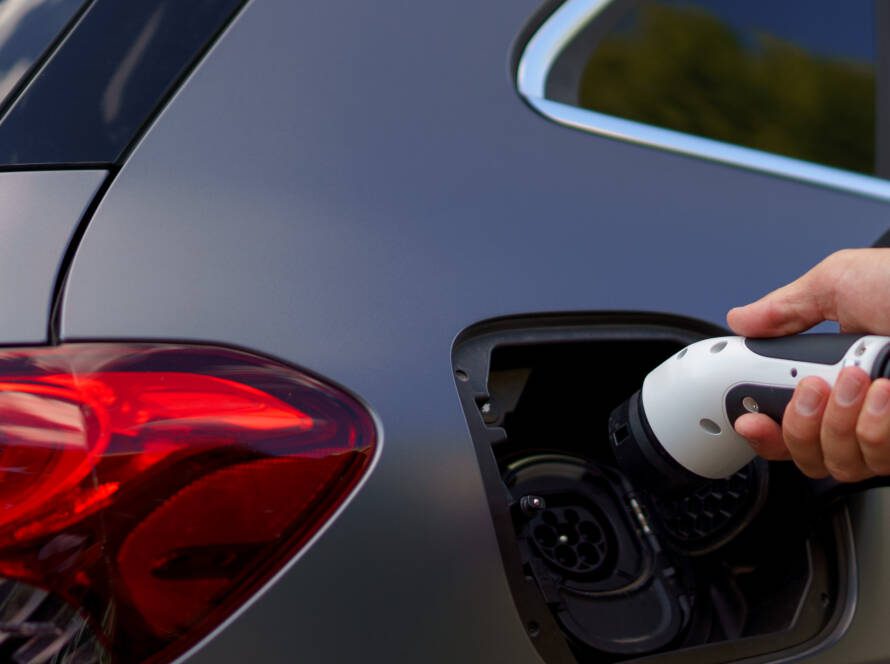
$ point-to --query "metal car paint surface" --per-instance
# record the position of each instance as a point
(39, 211)
(347, 186)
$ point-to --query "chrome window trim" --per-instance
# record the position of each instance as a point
(545, 46)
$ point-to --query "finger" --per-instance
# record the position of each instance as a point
(873, 428)
(840, 448)
(764, 435)
(801, 424)
(793, 308)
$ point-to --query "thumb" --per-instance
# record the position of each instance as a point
(788, 310)
(764, 436)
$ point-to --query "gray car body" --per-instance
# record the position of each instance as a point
(347, 186)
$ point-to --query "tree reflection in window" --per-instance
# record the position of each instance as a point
(683, 67)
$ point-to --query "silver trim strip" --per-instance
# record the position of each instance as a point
(545, 46)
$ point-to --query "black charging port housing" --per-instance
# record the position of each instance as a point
(602, 570)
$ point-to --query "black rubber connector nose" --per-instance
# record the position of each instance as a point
(642, 457)
(881, 367)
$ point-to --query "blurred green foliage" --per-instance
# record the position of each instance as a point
(682, 68)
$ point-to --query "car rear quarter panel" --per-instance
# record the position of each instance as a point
(39, 211)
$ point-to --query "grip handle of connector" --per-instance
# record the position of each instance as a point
(833, 351)
(812, 348)
(692, 400)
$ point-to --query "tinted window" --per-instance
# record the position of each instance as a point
(27, 29)
(108, 78)
(792, 77)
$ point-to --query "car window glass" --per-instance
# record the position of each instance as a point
(114, 70)
(27, 29)
(791, 77)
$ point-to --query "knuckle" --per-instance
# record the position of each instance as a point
(837, 257)
(796, 432)
(845, 472)
(774, 313)
(871, 437)
(837, 428)
(879, 467)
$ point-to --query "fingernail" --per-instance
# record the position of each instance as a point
(877, 401)
(808, 400)
(849, 387)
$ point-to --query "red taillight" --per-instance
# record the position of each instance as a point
(156, 488)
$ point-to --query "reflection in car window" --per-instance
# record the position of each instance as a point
(27, 29)
(792, 77)
(110, 75)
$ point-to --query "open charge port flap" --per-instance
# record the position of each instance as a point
(600, 569)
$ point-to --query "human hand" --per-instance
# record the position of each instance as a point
(843, 432)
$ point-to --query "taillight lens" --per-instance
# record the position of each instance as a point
(154, 488)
